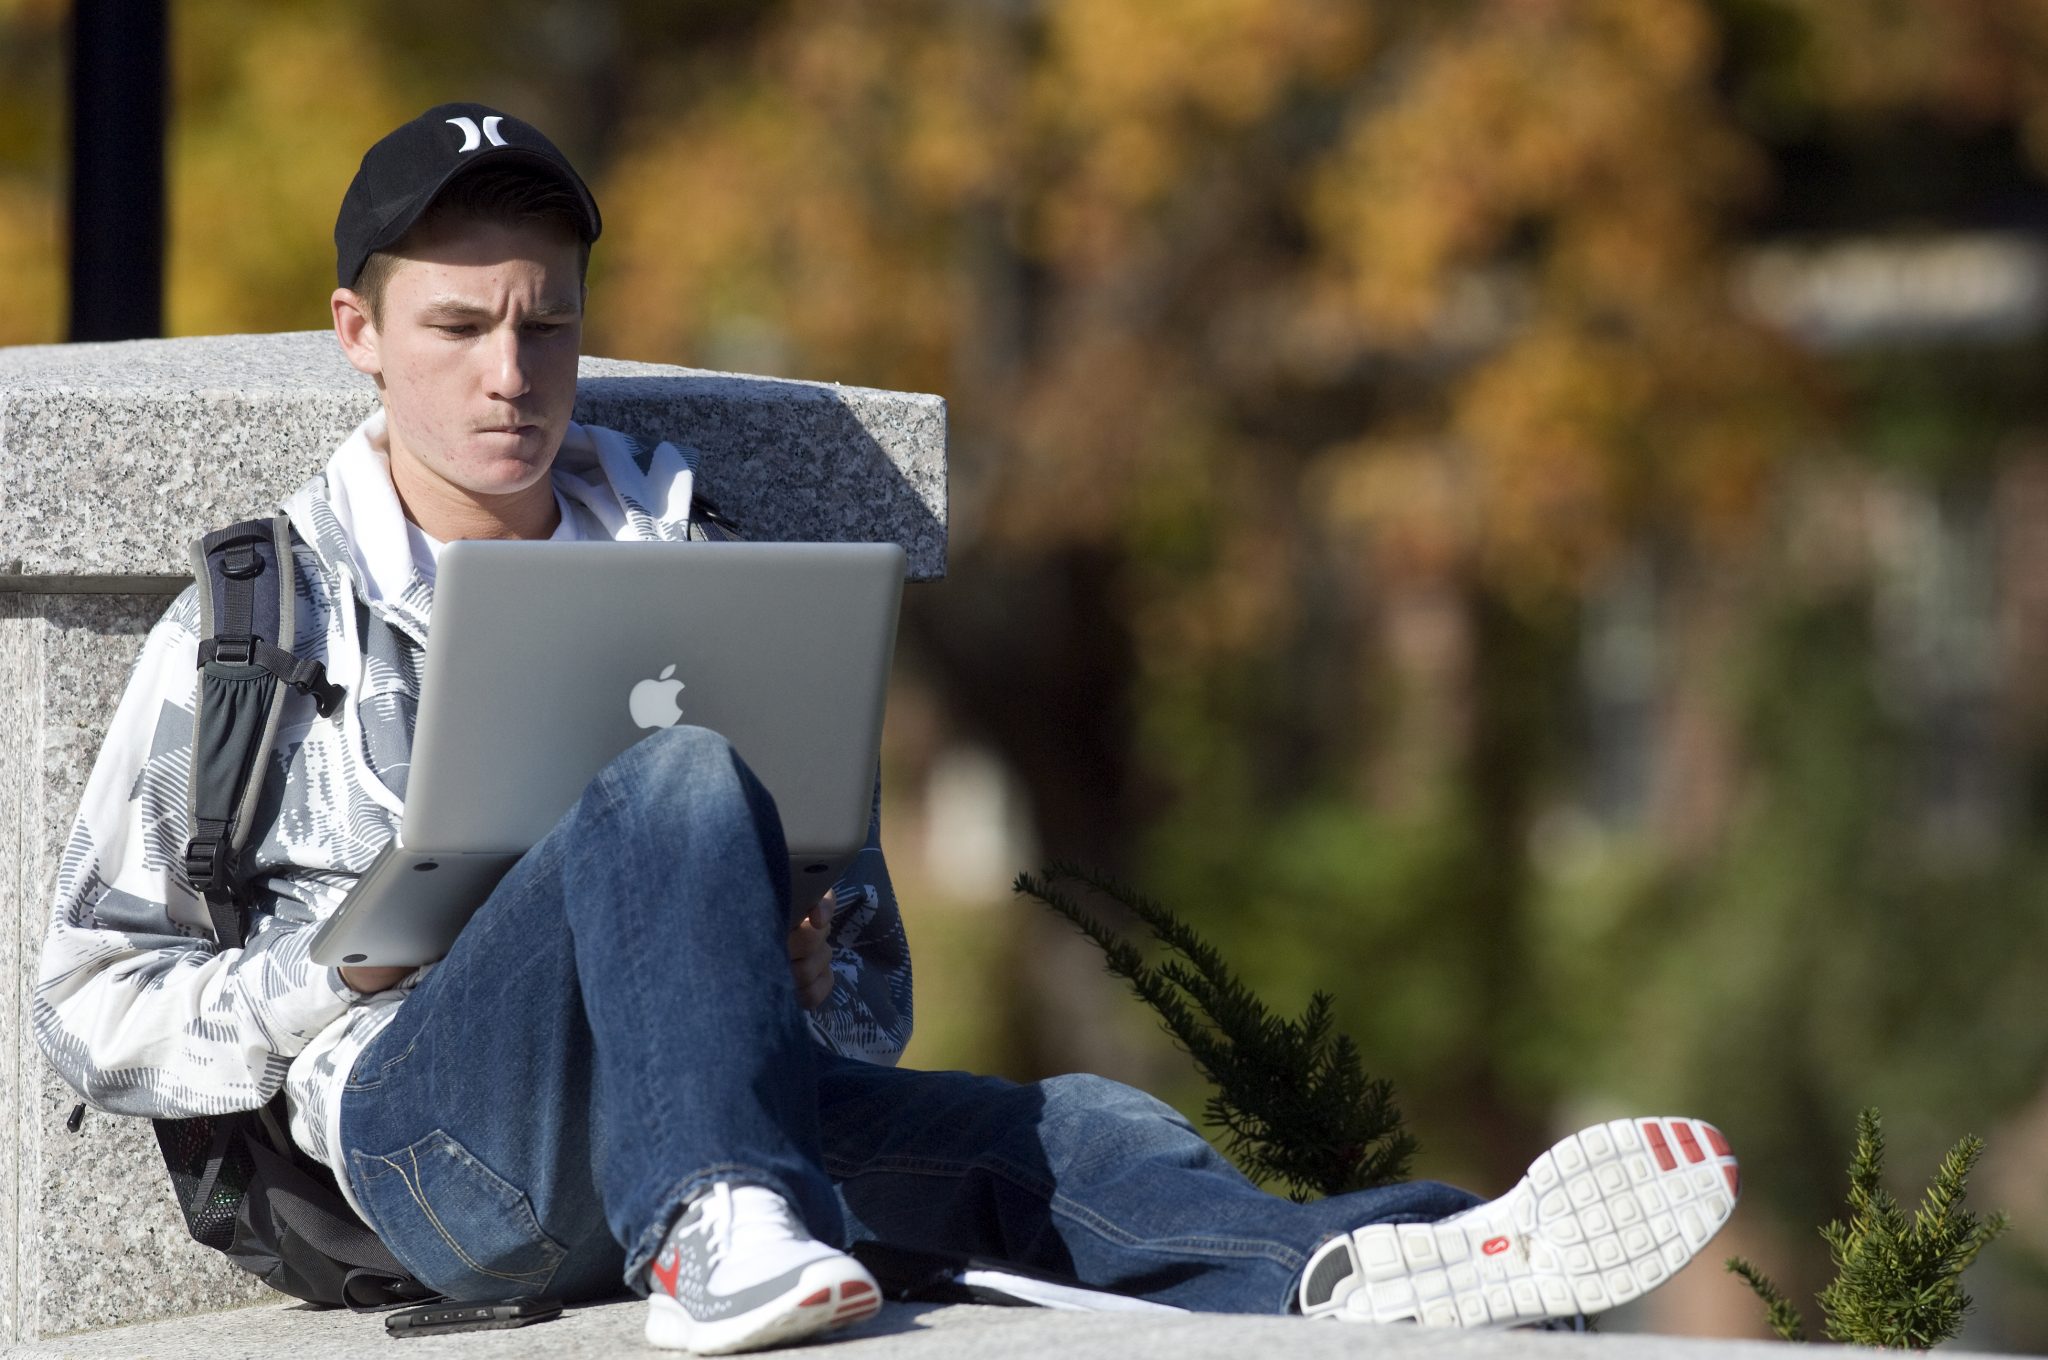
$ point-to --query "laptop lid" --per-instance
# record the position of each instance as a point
(549, 659)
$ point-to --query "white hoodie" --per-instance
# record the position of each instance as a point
(138, 1008)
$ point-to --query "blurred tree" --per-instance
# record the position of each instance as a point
(1315, 369)
(1281, 324)
(32, 183)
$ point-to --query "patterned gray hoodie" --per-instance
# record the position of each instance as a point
(137, 1007)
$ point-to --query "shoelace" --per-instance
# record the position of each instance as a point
(717, 1226)
(731, 1224)
(758, 1217)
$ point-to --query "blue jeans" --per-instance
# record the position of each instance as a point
(616, 1029)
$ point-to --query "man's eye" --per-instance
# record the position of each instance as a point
(456, 328)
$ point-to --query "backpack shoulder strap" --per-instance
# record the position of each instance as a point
(247, 622)
(708, 524)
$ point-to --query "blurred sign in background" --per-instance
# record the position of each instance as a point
(1530, 515)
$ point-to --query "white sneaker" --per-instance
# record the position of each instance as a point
(1608, 1214)
(737, 1272)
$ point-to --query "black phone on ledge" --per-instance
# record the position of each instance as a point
(435, 1319)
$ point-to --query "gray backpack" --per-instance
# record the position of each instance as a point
(245, 1188)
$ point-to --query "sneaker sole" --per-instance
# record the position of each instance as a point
(1603, 1217)
(825, 1297)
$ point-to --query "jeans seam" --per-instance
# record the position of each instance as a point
(1233, 1247)
(655, 1105)
(1071, 1209)
(544, 857)
(543, 854)
(534, 872)
(369, 1083)
(412, 1188)
(841, 1169)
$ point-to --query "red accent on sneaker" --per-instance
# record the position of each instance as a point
(1494, 1246)
(1716, 1141)
(854, 1289)
(1734, 1181)
(1686, 1142)
(1658, 1147)
(822, 1296)
(667, 1278)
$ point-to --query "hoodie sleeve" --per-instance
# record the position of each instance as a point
(868, 1014)
(135, 1005)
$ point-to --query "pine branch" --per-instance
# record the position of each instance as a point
(1866, 1165)
(1292, 1099)
(1899, 1281)
(1940, 1206)
(1981, 1236)
(1783, 1318)
(1122, 960)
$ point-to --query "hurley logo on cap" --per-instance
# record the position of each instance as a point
(471, 138)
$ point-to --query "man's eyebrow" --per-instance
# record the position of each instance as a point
(448, 304)
(454, 308)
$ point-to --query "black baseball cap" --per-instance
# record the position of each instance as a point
(403, 174)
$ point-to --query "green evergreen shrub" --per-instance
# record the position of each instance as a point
(1292, 1100)
(1898, 1284)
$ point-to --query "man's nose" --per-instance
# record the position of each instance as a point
(507, 375)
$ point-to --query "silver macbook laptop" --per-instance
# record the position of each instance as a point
(549, 659)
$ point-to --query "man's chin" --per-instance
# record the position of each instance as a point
(505, 465)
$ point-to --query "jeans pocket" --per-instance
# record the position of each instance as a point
(455, 1223)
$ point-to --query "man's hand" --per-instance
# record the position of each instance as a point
(373, 979)
(810, 956)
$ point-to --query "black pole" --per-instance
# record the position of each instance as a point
(117, 169)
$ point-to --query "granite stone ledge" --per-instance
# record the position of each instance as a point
(92, 1236)
(112, 455)
(900, 1332)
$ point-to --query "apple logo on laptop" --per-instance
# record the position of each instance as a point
(653, 703)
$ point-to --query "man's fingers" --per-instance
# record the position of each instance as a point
(813, 983)
(372, 979)
(810, 959)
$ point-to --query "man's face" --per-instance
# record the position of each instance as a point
(476, 356)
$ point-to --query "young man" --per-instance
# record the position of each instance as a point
(627, 1071)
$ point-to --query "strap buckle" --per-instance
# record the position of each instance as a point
(308, 676)
(206, 862)
(241, 563)
(235, 651)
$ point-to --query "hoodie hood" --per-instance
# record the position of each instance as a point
(349, 513)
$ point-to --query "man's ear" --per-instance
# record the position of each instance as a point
(357, 332)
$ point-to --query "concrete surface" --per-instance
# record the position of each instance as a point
(88, 1232)
(111, 457)
(901, 1332)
